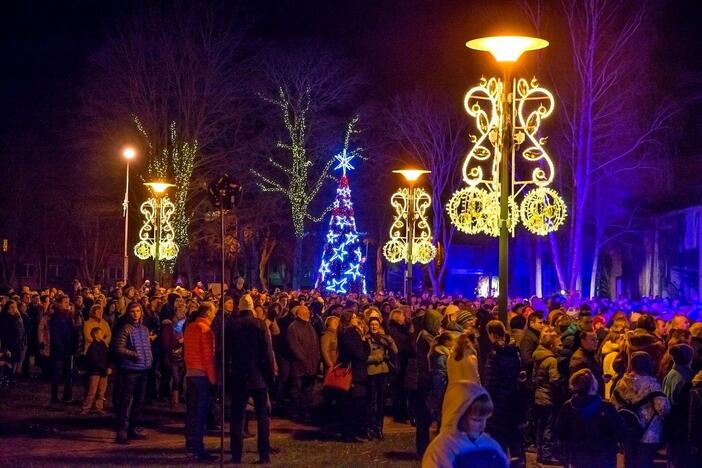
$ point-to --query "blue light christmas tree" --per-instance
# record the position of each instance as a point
(343, 265)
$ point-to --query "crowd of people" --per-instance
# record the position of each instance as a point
(576, 381)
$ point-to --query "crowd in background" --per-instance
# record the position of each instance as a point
(575, 380)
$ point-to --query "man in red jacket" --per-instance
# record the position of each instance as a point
(200, 375)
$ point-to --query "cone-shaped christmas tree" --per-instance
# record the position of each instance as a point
(343, 265)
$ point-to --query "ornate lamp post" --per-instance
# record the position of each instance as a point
(157, 211)
(507, 156)
(128, 153)
(415, 243)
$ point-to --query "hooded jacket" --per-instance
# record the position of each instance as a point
(642, 340)
(632, 388)
(452, 447)
(546, 377)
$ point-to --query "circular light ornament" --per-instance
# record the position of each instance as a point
(543, 211)
(423, 251)
(394, 250)
(143, 250)
(507, 48)
(493, 228)
(471, 210)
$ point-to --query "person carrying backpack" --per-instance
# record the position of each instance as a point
(643, 406)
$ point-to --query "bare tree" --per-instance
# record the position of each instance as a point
(431, 133)
(609, 128)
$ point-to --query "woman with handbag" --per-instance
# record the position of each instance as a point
(353, 354)
(382, 351)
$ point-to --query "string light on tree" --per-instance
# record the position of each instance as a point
(342, 266)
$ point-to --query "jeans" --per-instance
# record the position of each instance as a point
(197, 401)
(639, 455)
(239, 397)
(132, 389)
(376, 401)
(353, 410)
(62, 372)
(97, 386)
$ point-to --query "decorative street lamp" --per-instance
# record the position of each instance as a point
(128, 153)
(157, 212)
(410, 234)
(507, 157)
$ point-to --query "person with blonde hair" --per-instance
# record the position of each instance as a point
(463, 362)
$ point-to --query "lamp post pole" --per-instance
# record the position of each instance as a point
(506, 142)
(128, 153)
(410, 242)
(157, 238)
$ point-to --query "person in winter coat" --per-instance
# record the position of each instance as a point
(502, 381)
(95, 320)
(462, 441)
(12, 334)
(636, 385)
(438, 357)
(463, 362)
(676, 386)
(585, 358)
(422, 410)
(172, 351)
(382, 352)
(303, 343)
(62, 344)
(643, 338)
(201, 376)
(329, 343)
(694, 421)
(97, 368)
(249, 355)
(399, 330)
(133, 347)
(589, 427)
(547, 395)
(353, 352)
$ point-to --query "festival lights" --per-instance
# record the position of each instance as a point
(395, 249)
(146, 247)
(475, 209)
(342, 266)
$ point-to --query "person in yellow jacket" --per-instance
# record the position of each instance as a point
(96, 321)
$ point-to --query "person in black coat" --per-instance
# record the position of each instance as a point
(62, 347)
(502, 381)
(589, 427)
(399, 330)
(353, 351)
(12, 333)
(250, 358)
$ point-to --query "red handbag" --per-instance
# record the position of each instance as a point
(338, 378)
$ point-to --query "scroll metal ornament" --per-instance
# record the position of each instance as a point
(146, 247)
(476, 209)
(395, 249)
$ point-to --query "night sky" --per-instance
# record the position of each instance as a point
(399, 45)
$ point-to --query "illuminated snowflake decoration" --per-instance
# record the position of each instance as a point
(543, 211)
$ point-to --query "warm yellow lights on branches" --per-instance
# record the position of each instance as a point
(423, 251)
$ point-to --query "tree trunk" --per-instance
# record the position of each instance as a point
(379, 267)
(555, 254)
(297, 264)
(268, 246)
(538, 273)
(593, 273)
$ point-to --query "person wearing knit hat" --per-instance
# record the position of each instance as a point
(246, 303)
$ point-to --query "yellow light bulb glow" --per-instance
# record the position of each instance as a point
(395, 249)
(411, 175)
(507, 48)
(128, 152)
(159, 187)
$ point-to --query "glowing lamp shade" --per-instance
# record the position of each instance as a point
(507, 48)
(128, 152)
(159, 187)
(411, 174)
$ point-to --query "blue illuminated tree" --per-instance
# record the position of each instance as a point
(343, 265)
